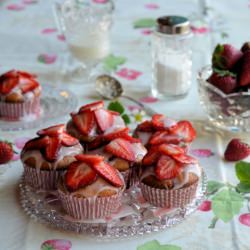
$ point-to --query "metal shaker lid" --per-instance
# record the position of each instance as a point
(173, 25)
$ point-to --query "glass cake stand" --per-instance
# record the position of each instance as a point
(136, 217)
(55, 103)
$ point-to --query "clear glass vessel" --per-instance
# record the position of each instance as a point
(171, 57)
(230, 112)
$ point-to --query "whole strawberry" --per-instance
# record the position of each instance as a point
(244, 72)
(236, 150)
(225, 56)
(223, 80)
(245, 47)
(6, 152)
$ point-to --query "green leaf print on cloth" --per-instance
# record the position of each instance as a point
(111, 62)
(144, 23)
(226, 204)
(155, 245)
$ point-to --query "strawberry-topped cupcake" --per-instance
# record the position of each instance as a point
(91, 188)
(161, 129)
(169, 176)
(19, 95)
(91, 122)
(46, 157)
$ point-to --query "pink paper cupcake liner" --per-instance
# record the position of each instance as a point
(42, 179)
(169, 198)
(90, 208)
(16, 111)
(130, 177)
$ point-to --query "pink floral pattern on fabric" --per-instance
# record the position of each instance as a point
(15, 7)
(129, 74)
(133, 108)
(15, 157)
(149, 99)
(146, 32)
(49, 30)
(152, 6)
(203, 153)
(47, 58)
(100, 1)
(20, 142)
(61, 37)
(56, 244)
(245, 219)
(205, 206)
(200, 30)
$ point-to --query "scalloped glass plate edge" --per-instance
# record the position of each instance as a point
(105, 231)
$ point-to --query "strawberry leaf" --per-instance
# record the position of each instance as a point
(111, 62)
(144, 23)
(213, 187)
(116, 106)
(226, 204)
(222, 73)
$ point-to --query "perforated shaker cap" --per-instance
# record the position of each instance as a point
(173, 25)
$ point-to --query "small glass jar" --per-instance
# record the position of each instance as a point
(172, 57)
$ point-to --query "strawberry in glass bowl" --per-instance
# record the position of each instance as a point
(224, 88)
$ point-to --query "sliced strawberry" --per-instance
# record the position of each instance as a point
(167, 168)
(37, 143)
(68, 140)
(116, 134)
(109, 173)
(51, 150)
(160, 137)
(112, 112)
(84, 121)
(28, 85)
(104, 119)
(145, 126)
(184, 130)
(92, 106)
(131, 139)
(121, 148)
(26, 74)
(97, 142)
(89, 159)
(171, 149)
(8, 84)
(79, 175)
(52, 131)
(152, 156)
(185, 159)
(158, 121)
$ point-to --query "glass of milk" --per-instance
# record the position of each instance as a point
(86, 26)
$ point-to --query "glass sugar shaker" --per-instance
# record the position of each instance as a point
(172, 57)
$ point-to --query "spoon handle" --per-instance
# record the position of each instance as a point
(146, 108)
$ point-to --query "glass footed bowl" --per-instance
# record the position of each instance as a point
(229, 112)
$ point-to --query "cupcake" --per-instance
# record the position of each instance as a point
(19, 95)
(91, 122)
(46, 157)
(169, 176)
(90, 188)
(161, 129)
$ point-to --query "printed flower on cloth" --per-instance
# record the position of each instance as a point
(56, 244)
(47, 58)
(15, 7)
(129, 74)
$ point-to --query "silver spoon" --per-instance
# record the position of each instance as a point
(110, 88)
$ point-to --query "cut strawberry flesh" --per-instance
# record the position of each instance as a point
(109, 173)
(53, 130)
(68, 140)
(185, 159)
(104, 119)
(184, 130)
(163, 137)
(79, 175)
(89, 159)
(166, 168)
(51, 150)
(97, 142)
(145, 126)
(8, 84)
(92, 106)
(121, 148)
(116, 134)
(151, 157)
(158, 121)
(37, 143)
(171, 149)
(28, 84)
(84, 121)
(131, 139)
(26, 74)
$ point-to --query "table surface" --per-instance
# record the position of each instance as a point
(29, 40)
